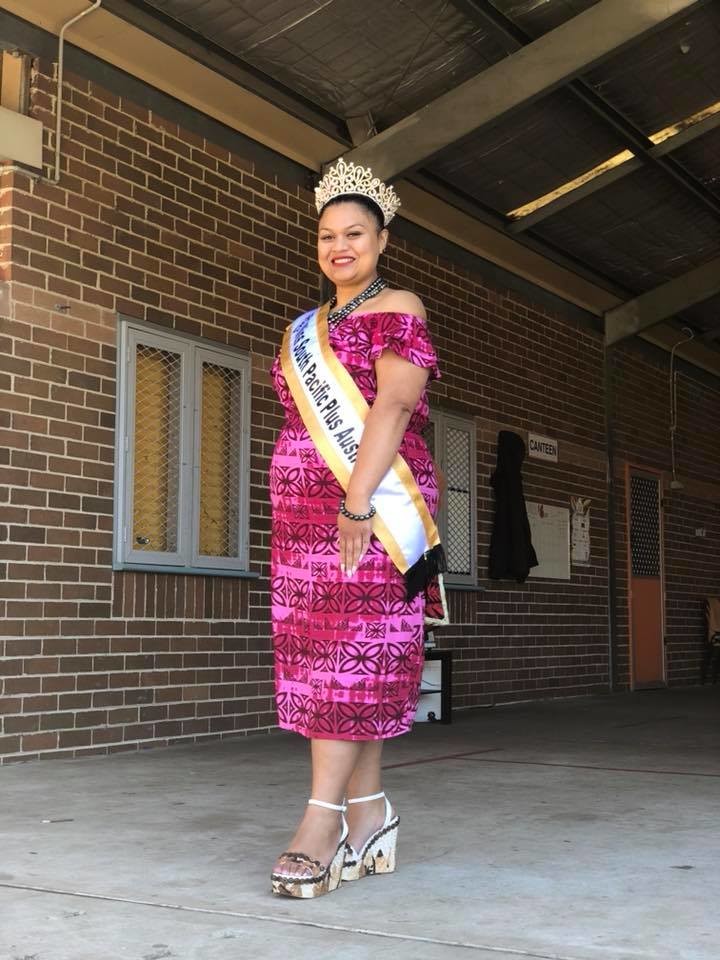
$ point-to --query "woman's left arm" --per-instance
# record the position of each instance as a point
(399, 387)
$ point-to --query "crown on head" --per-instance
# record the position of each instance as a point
(344, 178)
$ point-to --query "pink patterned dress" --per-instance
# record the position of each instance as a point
(348, 650)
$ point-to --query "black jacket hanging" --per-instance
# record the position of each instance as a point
(511, 551)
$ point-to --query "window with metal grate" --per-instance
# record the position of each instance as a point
(645, 526)
(182, 484)
(452, 442)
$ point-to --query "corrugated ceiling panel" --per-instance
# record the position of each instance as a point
(636, 231)
(706, 316)
(702, 158)
(385, 56)
(655, 83)
(539, 16)
(528, 153)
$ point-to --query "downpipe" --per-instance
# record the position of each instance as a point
(61, 65)
(611, 524)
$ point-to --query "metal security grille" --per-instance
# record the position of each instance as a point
(156, 459)
(221, 429)
(644, 526)
(459, 514)
(183, 452)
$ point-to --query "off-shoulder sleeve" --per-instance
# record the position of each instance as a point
(408, 337)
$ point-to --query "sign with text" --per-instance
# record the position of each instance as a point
(542, 448)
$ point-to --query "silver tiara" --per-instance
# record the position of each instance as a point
(344, 178)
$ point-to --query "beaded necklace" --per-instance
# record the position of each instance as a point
(336, 316)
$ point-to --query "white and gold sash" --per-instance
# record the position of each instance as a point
(334, 411)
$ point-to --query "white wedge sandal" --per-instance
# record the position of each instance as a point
(324, 879)
(378, 855)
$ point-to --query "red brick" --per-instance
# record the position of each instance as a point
(74, 738)
(9, 745)
(41, 665)
(38, 741)
(21, 724)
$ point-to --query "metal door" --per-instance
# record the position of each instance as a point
(647, 646)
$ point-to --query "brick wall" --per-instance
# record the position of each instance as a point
(152, 221)
(641, 414)
(512, 365)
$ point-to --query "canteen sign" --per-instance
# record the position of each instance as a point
(542, 448)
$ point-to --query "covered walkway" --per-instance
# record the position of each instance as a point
(577, 829)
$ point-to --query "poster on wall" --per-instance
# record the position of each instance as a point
(550, 532)
(580, 530)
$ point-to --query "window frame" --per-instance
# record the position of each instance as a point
(441, 420)
(15, 76)
(193, 351)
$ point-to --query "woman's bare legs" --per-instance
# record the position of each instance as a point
(340, 769)
(317, 836)
(365, 818)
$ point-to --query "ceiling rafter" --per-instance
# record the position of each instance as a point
(662, 302)
(534, 70)
(452, 195)
(601, 180)
(646, 151)
(642, 146)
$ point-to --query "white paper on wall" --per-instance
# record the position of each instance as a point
(550, 532)
(580, 530)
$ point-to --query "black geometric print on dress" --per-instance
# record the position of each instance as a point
(644, 527)
(348, 652)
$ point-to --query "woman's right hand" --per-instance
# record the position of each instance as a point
(353, 538)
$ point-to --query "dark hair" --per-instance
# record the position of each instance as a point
(369, 205)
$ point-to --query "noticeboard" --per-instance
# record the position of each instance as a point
(550, 532)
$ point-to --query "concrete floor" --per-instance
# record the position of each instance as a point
(582, 829)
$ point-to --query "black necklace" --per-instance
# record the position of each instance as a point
(336, 316)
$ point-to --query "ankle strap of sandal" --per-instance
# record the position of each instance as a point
(341, 808)
(375, 796)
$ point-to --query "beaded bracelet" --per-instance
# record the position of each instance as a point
(357, 516)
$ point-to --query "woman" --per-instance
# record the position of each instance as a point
(348, 642)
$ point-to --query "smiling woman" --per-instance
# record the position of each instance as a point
(354, 544)
(347, 250)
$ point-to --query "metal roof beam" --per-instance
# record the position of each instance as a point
(484, 13)
(662, 302)
(532, 71)
(603, 180)
(433, 186)
(645, 152)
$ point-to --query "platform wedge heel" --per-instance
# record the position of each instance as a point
(323, 879)
(379, 853)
